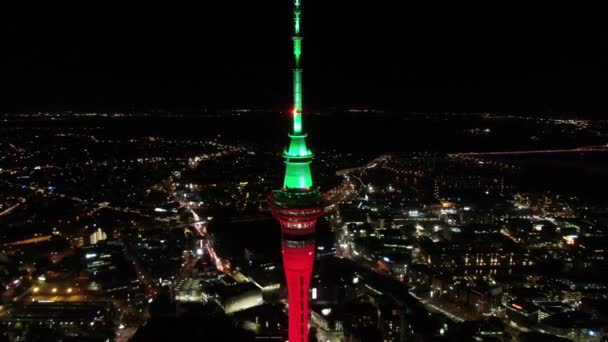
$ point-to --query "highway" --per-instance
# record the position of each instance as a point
(96, 206)
(348, 189)
(585, 149)
(10, 209)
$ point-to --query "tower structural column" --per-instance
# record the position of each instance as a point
(297, 205)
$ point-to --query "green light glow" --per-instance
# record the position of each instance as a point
(297, 49)
(296, 19)
(297, 101)
(297, 176)
(297, 147)
(297, 157)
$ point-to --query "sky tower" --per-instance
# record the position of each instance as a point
(297, 205)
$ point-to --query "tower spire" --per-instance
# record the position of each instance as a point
(297, 70)
(297, 156)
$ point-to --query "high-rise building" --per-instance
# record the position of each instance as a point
(297, 205)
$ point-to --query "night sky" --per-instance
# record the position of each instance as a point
(356, 53)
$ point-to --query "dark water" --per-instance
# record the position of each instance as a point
(582, 175)
(348, 132)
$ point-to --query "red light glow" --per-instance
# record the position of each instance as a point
(298, 264)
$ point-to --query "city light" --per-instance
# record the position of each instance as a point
(386, 232)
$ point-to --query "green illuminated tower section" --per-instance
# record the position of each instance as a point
(297, 156)
(297, 70)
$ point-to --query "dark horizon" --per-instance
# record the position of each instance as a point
(237, 54)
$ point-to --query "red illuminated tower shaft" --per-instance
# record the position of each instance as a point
(297, 206)
(298, 249)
